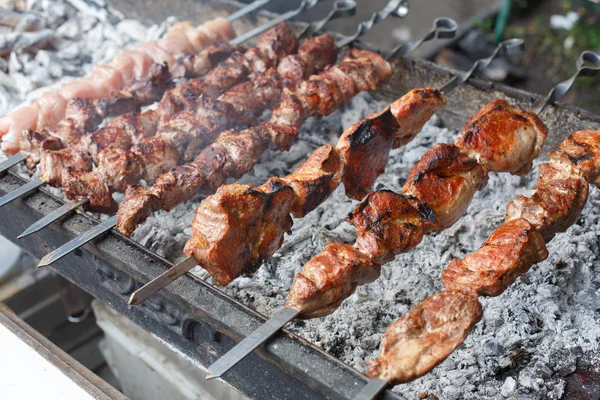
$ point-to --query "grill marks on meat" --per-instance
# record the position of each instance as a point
(416, 343)
(232, 221)
(503, 138)
(365, 146)
(232, 155)
(196, 65)
(388, 223)
(329, 278)
(446, 180)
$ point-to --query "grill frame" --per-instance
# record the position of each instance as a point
(199, 320)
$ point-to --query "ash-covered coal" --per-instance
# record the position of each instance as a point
(530, 338)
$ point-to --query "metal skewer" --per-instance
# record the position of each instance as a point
(78, 242)
(188, 263)
(21, 191)
(242, 12)
(255, 5)
(278, 320)
(588, 64)
(341, 8)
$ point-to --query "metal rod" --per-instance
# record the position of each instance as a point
(251, 342)
(78, 242)
(255, 5)
(52, 217)
(21, 191)
(588, 64)
(341, 8)
(305, 5)
(398, 8)
(12, 161)
(443, 28)
(162, 280)
(508, 47)
(372, 390)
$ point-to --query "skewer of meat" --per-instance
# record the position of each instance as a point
(130, 129)
(390, 9)
(185, 182)
(416, 343)
(438, 190)
(187, 132)
(182, 38)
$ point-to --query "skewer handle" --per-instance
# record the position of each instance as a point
(507, 47)
(588, 64)
(255, 339)
(305, 5)
(12, 161)
(162, 280)
(397, 8)
(341, 8)
(443, 28)
(255, 5)
(373, 388)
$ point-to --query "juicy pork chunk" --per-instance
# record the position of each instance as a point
(313, 55)
(446, 180)
(503, 138)
(560, 196)
(388, 223)
(53, 163)
(423, 338)
(198, 64)
(365, 146)
(329, 278)
(413, 110)
(239, 227)
(582, 150)
(508, 253)
(78, 185)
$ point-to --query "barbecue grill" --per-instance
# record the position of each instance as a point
(199, 320)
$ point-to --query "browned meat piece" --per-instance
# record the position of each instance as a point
(53, 163)
(66, 131)
(155, 156)
(251, 98)
(508, 253)
(313, 55)
(446, 180)
(81, 185)
(82, 113)
(105, 138)
(239, 227)
(136, 126)
(315, 180)
(32, 143)
(329, 278)
(117, 169)
(503, 138)
(196, 65)
(388, 223)
(138, 203)
(365, 148)
(560, 196)
(582, 150)
(423, 338)
(413, 110)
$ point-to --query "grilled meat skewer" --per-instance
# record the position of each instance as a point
(187, 133)
(106, 79)
(510, 251)
(234, 154)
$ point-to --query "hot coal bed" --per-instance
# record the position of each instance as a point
(531, 339)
